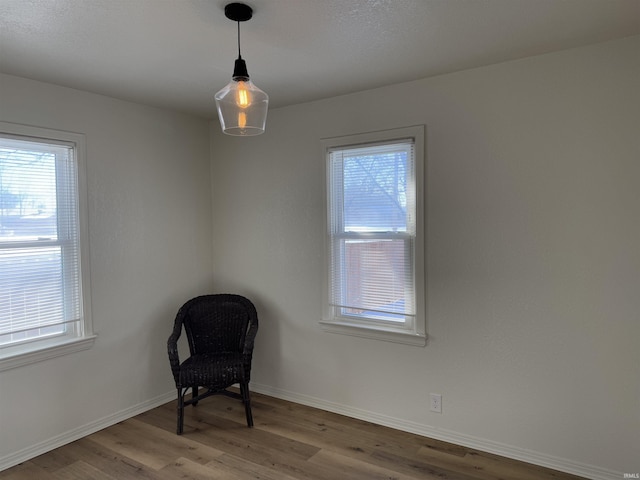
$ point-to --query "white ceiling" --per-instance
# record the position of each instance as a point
(178, 53)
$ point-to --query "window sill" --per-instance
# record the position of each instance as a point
(41, 353)
(375, 332)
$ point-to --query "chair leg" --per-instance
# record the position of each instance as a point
(194, 394)
(246, 399)
(180, 411)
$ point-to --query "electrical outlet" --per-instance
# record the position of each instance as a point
(435, 402)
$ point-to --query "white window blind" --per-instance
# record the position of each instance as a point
(40, 276)
(372, 229)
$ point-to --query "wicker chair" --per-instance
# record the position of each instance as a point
(221, 330)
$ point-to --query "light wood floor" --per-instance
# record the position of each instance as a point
(289, 442)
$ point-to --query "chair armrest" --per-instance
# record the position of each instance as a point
(249, 340)
(174, 359)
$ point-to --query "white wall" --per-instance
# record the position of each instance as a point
(533, 258)
(150, 240)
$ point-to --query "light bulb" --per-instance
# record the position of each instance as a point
(243, 97)
(242, 119)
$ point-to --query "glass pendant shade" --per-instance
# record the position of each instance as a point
(242, 107)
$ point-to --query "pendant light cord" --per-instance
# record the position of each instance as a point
(239, 56)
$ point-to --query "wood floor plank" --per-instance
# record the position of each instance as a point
(230, 463)
(26, 471)
(186, 469)
(106, 460)
(55, 459)
(415, 466)
(81, 470)
(288, 442)
(485, 466)
(120, 440)
(124, 438)
(355, 469)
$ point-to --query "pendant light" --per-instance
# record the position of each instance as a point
(242, 107)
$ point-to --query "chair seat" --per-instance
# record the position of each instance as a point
(219, 370)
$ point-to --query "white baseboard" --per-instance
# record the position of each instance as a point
(82, 431)
(489, 446)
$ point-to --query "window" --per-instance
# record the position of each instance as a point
(44, 310)
(375, 279)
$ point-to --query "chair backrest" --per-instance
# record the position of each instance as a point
(219, 323)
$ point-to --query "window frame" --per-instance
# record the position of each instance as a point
(406, 333)
(78, 335)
